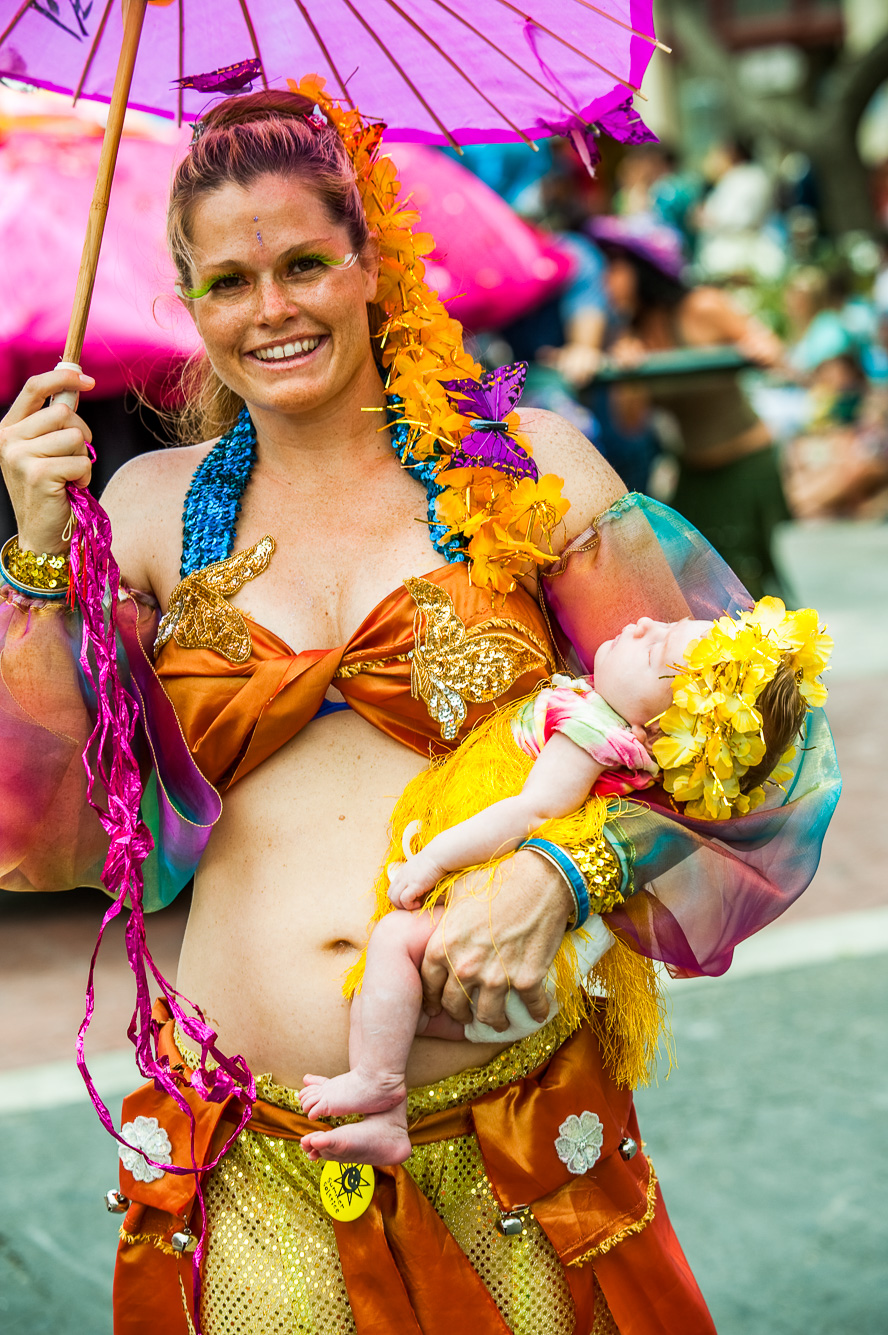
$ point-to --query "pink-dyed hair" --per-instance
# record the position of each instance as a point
(237, 141)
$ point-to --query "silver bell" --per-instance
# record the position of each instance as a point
(116, 1203)
(511, 1224)
(628, 1147)
(184, 1241)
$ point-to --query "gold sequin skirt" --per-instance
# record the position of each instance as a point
(272, 1263)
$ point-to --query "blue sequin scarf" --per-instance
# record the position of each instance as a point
(209, 520)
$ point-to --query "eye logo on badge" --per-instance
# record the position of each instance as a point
(346, 1189)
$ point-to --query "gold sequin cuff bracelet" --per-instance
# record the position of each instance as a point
(603, 872)
(37, 574)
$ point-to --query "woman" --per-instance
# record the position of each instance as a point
(729, 483)
(311, 746)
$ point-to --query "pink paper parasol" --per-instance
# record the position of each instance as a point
(433, 70)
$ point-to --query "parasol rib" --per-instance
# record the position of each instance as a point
(323, 45)
(576, 50)
(9, 27)
(645, 37)
(403, 73)
(252, 31)
(525, 74)
(461, 72)
(100, 33)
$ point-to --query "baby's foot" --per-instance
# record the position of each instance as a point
(353, 1092)
(380, 1139)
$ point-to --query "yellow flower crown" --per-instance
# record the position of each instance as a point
(712, 733)
(504, 525)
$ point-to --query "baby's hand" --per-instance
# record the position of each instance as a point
(646, 738)
(411, 881)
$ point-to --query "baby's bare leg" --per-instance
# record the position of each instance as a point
(382, 1034)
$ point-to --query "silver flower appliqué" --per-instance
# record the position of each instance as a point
(147, 1135)
(578, 1144)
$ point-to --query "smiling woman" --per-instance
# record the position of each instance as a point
(316, 604)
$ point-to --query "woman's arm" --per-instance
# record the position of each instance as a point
(709, 316)
(694, 888)
(49, 838)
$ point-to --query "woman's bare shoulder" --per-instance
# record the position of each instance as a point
(590, 484)
(144, 502)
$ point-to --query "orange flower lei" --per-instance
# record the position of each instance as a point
(505, 525)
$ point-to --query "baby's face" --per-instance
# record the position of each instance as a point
(633, 672)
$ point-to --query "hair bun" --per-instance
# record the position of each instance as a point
(267, 104)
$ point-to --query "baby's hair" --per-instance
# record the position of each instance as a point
(783, 710)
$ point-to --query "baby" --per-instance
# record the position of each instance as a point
(730, 696)
(576, 734)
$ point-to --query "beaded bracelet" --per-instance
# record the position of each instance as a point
(561, 859)
(37, 574)
(606, 877)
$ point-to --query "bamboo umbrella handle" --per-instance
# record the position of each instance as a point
(133, 18)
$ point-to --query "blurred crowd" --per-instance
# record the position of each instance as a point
(723, 354)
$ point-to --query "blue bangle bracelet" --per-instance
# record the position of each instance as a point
(569, 870)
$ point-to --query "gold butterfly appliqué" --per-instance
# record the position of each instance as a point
(451, 665)
(199, 617)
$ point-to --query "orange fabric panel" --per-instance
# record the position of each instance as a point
(402, 1267)
(235, 715)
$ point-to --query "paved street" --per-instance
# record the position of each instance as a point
(768, 1138)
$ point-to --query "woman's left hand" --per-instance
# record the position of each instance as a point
(496, 936)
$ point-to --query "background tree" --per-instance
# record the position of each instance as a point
(822, 125)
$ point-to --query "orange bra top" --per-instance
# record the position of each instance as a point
(430, 660)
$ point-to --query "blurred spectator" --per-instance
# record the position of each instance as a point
(837, 464)
(728, 483)
(650, 182)
(839, 468)
(636, 175)
(732, 220)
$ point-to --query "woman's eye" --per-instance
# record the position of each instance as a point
(227, 282)
(306, 264)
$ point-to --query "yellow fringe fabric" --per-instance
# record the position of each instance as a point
(488, 766)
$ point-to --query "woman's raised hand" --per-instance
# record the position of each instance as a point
(41, 451)
(496, 936)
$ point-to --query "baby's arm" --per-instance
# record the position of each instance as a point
(558, 783)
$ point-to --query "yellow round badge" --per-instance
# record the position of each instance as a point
(346, 1189)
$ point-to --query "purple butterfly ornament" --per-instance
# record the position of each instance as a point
(486, 402)
(229, 79)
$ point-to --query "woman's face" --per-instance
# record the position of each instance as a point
(621, 284)
(277, 295)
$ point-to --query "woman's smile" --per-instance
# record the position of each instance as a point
(284, 354)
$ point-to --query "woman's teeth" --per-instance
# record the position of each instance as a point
(286, 350)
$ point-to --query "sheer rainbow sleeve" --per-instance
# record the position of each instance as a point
(694, 891)
(50, 839)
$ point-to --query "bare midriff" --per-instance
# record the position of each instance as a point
(284, 897)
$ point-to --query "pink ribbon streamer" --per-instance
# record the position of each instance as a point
(111, 766)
